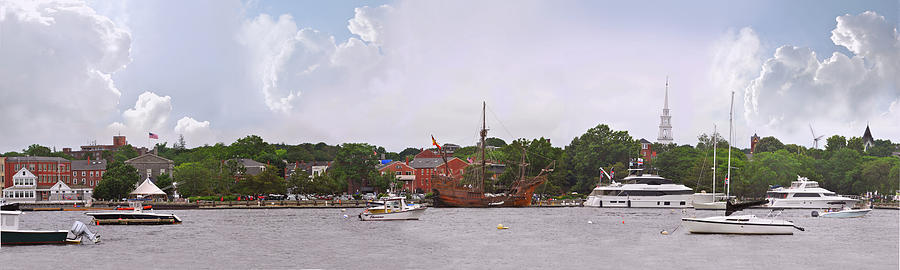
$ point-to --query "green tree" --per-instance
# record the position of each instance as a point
(410, 152)
(599, 147)
(680, 164)
(875, 175)
(835, 142)
(768, 144)
(773, 168)
(493, 141)
(354, 164)
(117, 182)
(840, 170)
(300, 183)
(180, 144)
(163, 181)
(882, 148)
(124, 153)
(36, 150)
(194, 179)
(855, 143)
(248, 147)
(267, 182)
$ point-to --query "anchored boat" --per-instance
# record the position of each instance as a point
(842, 213)
(451, 192)
(135, 217)
(394, 208)
(740, 224)
(10, 234)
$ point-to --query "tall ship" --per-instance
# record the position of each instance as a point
(641, 190)
(453, 192)
(804, 193)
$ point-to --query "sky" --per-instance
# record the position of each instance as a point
(394, 73)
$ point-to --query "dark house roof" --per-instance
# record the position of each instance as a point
(644, 141)
(426, 163)
(88, 165)
(252, 167)
(867, 137)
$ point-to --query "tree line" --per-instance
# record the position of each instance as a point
(843, 166)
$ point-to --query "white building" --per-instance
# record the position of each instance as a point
(23, 189)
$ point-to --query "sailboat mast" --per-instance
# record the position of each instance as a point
(483, 135)
(715, 142)
(730, 138)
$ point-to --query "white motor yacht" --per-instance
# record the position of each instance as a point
(842, 213)
(804, 193)
(646, 191)
(393, 208)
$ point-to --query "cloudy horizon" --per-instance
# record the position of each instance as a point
(393, 73)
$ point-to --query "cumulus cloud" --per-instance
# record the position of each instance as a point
(369, 23)
(285, 58)
(58, 58)
(195, 132)
(840, 93)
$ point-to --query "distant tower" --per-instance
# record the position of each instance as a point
(753, 141)
(665, 121)
(867, 139)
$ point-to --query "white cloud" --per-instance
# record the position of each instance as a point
(838, 94)
(369, 23)
(58, 58)
(150, 112)
(195, 132)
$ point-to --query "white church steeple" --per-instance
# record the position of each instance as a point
(665, 120)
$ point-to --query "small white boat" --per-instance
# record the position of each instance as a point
(843, 213)
(394, 208)
(739, 224)
(10, 234)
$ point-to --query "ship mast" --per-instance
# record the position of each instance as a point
(483, 135)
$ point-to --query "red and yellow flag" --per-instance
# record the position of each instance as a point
(433, 141)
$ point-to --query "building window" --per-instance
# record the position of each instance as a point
(92, 173)
(163, 171)
(83, 173)
(74, 173)
(149, 172)
(83, 181)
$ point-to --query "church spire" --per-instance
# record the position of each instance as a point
(665, 120)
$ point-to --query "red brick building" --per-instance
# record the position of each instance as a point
(95, 151)
(47, 170)
(428, 163)
(87, 173)
(647, 152)
(403, 172)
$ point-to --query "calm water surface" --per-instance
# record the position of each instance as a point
(558, 238)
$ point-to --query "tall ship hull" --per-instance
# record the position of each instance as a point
(449, 194)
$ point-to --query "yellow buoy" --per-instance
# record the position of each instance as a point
(501, 227)
(664, 232)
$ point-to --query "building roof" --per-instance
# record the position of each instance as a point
(148, 158)
(147, 188)
(644, 141)
(383, 166)
(867, 136)
(85, 165)
(36, 159)
(24, 173)
(426, 163)
(246, 162)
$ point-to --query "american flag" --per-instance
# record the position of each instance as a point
(154, 136)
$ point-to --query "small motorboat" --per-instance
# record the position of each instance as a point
(146, 207)
(136, 216)
(11, 235)
(739, 224)
(393, 208)
(842, 213)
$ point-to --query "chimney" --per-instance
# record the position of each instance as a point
(407, 160)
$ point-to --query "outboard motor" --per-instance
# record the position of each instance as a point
(815, 213)
(79, 230)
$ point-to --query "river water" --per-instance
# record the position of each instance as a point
(557, 238)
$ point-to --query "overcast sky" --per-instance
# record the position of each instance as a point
(393, 73)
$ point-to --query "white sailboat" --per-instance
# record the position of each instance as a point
(740, 224)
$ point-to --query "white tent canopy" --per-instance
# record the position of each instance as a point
(147, 188)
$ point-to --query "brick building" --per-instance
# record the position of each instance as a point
(47, 170)
(428, 164)
(87, 172)
(95, 151)
(647, 152)
(403, 172)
